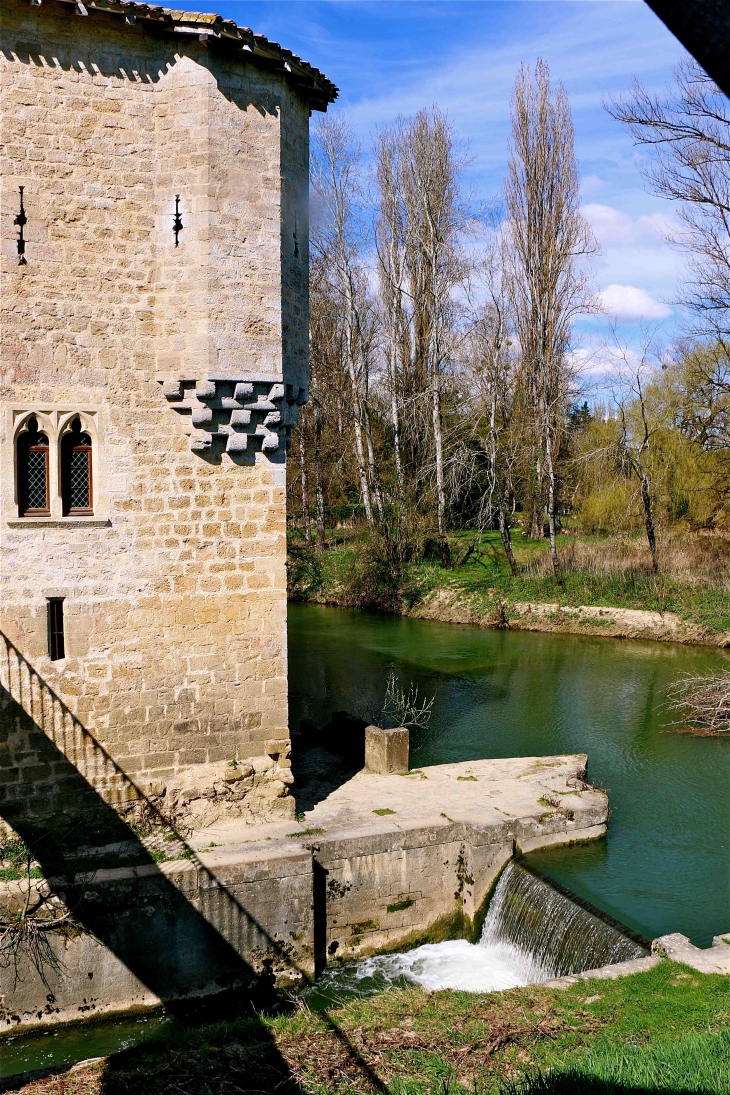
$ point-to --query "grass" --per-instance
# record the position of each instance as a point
(16, 857)
(593, 575)
(15, 874)
(598, 571)
(661, 1030)
(695, 1063)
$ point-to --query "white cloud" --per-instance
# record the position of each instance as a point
(599, 363)
(615, 229)
(627, 302)
(636, 265)
(590, 185)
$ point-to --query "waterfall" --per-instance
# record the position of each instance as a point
(548, 933)
(532, 932)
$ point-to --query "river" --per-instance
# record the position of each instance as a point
(664, 865)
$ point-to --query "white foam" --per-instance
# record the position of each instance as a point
(455, 964)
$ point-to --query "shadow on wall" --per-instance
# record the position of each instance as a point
(58, 808)
(133, 57)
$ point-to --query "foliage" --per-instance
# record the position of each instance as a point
(688, 472)
(377, 574)
(304, 570)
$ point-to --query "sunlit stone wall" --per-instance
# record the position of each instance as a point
(174, 590)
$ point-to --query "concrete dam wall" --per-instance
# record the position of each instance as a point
(384, 862)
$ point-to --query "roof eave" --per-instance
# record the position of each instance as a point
(222, 35)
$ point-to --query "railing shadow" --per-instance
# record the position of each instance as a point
(57, 786)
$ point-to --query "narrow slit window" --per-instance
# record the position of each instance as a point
(32, 470)
(56, 643)
(76, 480)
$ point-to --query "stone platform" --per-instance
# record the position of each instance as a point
(539, 800)
(383, 862)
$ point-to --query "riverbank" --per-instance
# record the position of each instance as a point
(458, 606)
(664, 1030)
(606, 587)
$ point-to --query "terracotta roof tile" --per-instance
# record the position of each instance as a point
(222, 33)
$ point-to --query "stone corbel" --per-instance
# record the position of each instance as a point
(236, 415)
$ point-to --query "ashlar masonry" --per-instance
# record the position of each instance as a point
(153, 354)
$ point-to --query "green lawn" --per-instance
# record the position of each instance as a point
(663, 1030)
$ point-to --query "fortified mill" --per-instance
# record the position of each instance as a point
(154, 352)
(154, 355)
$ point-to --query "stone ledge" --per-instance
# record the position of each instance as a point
(567, 836)
(606, 973)
(58, 522)
(679, 948)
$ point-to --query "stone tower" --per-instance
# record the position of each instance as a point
(153, 356)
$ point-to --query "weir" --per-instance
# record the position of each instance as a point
(550, 933)
(533, 932)
(385, 862)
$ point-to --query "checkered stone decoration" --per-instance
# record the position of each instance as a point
(236, 415)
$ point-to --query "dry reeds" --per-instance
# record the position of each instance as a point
(702, 702)
(693, 559)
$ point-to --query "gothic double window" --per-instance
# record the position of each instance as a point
(35, 465)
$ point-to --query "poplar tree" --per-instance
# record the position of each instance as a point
(548, 239)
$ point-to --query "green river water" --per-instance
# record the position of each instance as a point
(665, 864)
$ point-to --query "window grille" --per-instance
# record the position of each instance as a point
(76, 481)
(32, 471)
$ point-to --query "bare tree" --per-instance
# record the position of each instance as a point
(306, 523)
(325, 421)
(688, 134)
(492, 383)
(335, 171)
(549, 239)
(636, 431)
(319, 500)
(390, 245)
(434, 218)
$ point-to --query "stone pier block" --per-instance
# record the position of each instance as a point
(386, 751)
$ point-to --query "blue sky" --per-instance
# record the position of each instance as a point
(395, 56)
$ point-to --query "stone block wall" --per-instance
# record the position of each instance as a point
(224, 919)
(174, 590)
(415, 886)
